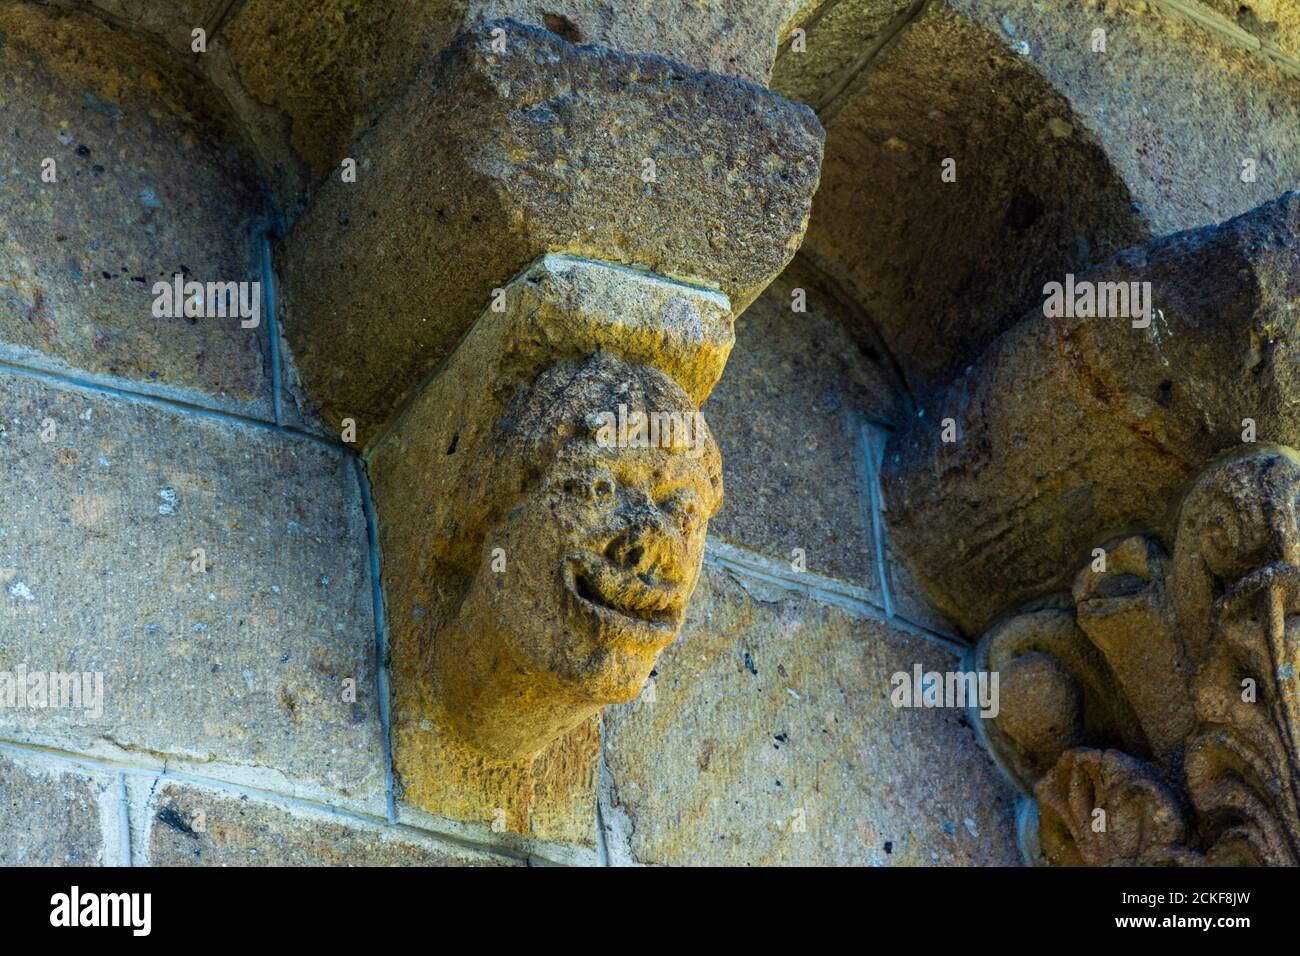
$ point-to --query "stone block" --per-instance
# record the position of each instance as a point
(784, 414)
(838, 38)
(331, 67)
(192, 825)
(241, 666)
(150, 181)
(1174, 103)
(172, 21)
(1108, 148)
(1268, 24)
(52, 814)
(770, 739)
(952, 263)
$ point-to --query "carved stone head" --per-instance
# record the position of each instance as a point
(543, 504)
(592, 551)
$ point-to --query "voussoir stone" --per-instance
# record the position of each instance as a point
(492, 159)
(1071, 430)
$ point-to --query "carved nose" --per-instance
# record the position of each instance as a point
(645, 546)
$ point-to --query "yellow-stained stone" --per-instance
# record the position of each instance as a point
(549, 797)
(496, 158)
(332, 66)
(498, 671)
(837, 38)
(194, 825)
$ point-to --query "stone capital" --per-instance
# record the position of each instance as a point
(1123, 493)
(1069, 430)
(1153, 714)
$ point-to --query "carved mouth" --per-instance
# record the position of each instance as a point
(648, 612)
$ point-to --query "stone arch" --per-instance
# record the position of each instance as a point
(1065, 153)
(937, 269)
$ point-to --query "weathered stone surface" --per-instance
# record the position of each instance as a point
(1175, 106)
(199, 826)
(907, 595)
(331, 67)
(1164, 691)
(784, 415)
(172, 21)
(950, 264)
(1108, 149)
(761, 711)
(533, 573)
(1070, 430)
(151, 181)
(1271, 26)
(51, 815)
(306, 77)
(240, 667)
(577, 559)
(838, 38)
(551, 796)
(493, 159)
(731, 37)
(328, 68)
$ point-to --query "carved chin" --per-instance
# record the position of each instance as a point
(626, 612)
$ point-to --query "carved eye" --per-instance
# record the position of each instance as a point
(590, 487)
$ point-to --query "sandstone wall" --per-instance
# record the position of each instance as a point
(247, 713)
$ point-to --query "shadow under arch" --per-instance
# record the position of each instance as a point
(937, 266)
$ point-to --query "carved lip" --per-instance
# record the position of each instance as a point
(644, 613)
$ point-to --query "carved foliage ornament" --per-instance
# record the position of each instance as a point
(1152, 714)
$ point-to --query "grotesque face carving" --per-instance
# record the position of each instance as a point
(594, 552)
(607, 548)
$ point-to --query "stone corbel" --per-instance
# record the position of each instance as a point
(541, 538)
(474, 400)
